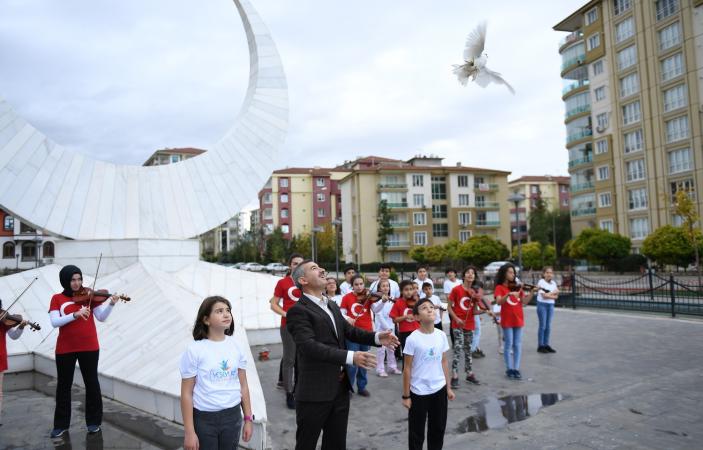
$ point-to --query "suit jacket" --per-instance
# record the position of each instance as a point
(321, 354)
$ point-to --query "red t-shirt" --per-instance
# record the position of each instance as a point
(355, 310)
(511, 315)
(3, 347)
(400, 308)
(463, 305)
(285, 289)
(79, 335)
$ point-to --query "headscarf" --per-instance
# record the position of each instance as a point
(65, 276)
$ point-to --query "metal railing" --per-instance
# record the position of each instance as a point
(578, 110)
(398, 205)
(583, 212)
(574, 85)
(487, 223)
(392, 185)
(582, 186)
(579, 161)
(487, 205)
(578, 135)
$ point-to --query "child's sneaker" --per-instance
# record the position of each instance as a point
(382, 374)
(472, 379)
(395, 371)
(455, 383)
(501, 351)
(517, 375)
(509, 373)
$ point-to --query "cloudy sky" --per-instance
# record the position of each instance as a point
(119, 80)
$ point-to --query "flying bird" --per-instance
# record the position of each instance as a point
(475, 62)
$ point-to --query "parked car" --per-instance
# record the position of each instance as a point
(253, 267)
(491, 270)
(276, 267)
(239, 265)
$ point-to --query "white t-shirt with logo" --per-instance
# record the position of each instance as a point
(395, 288)
(427, 376)
(437, 302)
(215, 366)
(549, 286)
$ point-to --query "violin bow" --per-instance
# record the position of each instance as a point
(7, 311)
(95, 280)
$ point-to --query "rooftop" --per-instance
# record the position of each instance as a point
(540, 179)
(174, 151)
(575, 20)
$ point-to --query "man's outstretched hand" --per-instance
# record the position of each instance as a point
(388, 339)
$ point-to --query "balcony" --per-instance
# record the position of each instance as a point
(578, 136)
(392, 186)
(578, 110)
(583, 212)
(398, 205)
(398, 244)
(400, 224)
(573, 61)
(487, 205)
(487, 223)
(574, 85)
(485, 187)
(579, 161)
(582, 186)
(571, 38)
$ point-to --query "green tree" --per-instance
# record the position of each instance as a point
(276, 246)
(536, 256)
(435, 254)
(482, 250)
(417, 254)
(385, 229)
(669, 246)
(325, 242)
(599, 246)
(547, 226)
(684, 207)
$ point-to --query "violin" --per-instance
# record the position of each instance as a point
(86, 295)
(368, 296)
(12, 320)
(515, 286)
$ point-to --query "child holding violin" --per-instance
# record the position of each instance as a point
(510, 296)
(383, 322)
(14, 329)
(402, 312)
(356, 308)
(465, 301)
(72, 312)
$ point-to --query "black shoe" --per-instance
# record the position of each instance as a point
(509, 373)
(476, 354)
(364, 393)
(517, 375)
(549, 349)
(455, 383)
(290, 400)
(542, 349)
(480, 352)
(472, 379)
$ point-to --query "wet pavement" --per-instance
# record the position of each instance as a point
(617, 381)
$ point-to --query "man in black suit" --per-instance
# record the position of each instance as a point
(322, 386)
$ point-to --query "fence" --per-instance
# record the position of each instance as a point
(649, 292)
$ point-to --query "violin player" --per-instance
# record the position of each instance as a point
(14, 330)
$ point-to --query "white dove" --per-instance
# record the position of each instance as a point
(475, 62)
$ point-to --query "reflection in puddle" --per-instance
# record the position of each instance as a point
(498, 412)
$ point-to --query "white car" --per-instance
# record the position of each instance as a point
(491, 270)
(276, 267)
(253, 267)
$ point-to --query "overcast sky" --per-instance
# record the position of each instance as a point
(119, 80)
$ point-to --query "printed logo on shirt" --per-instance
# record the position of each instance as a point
(464, 303)
(512, 302)
(223, 373)
(291, 293)
(407, 312)
(358, 309)
(431, 355)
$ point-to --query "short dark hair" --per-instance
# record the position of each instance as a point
(404, 283)
(349, 267)
(449, 269)
(426, 284)
(416, 308)
(423, 266)
(293, 256)
(200, 330)
(385, 266)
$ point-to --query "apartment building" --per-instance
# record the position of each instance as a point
(24, 247)
(631, 72)
(552, 190)
(429, 203)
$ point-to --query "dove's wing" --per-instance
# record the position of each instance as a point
(475, 42)
(462, 73)
(486, 76)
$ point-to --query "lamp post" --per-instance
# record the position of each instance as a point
(516, 199)
(313, 243)
(336, 223)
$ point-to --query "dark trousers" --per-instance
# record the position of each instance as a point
(65, 366)
(402, 337)
(330, 418)
(433, 410)
(218, 430)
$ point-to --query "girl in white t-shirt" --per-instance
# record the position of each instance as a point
(214, 388)
(332, 291)
(546, 295)
(382, 322)
(426, 379)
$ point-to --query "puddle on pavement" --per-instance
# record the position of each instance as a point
(497, 412)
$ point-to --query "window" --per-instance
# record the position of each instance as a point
(420, 238)
(603, 173)
(285, 229)
(686, 186)
(24, 228)
(464, 235)
(419, 218)
(631, 113)
(175, 158)
(607, 225)
(267, 198)
(680, 160)
(284, 198)
(320, 197)
(676, 129)
(602, 122)
(439, 188)
(564, 188)
(267, 213)
(320, 182)
(597, 67)
(29, 251)
(439, 211)
(637, 199)
(464, 218)
(624, 30)
(627, 57)
(675, 98)
(418, 180)
(593, 42)
(462, 180)
(284, 213)
(8, 250)
(600, 93)
(480, 201)
(48, 250)
(601, 146)
(672, 67)
(8, 223)
(666, 8)
(534, 189)
(620, 6)
(283, 182)
(591, 16)
(639, 228)
(604, 200)
(320, 212)
(633, 141)
(670, 36)
(635, 170)
(463, 199)
(419, 200)
(440, 230)
(629, 85)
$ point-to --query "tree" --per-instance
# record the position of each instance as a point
(276, 246)
(435, 254)
(547, 226)
(669, 246)
(482, 250)
(599, 246)
(684, 207)
(385, 229)
(417, 254)
(536, 255)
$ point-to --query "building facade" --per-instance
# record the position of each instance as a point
(24, 247)
(552, 190)
(429, 204)
(632, 74)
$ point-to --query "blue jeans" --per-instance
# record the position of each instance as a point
(513, 341)
(477, 334)
(357, 373)
(545, 312)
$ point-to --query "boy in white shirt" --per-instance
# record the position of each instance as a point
(346, 286)
(427, 290)
(384, 273)
(422, 276)
(426, 379)
(450, 281)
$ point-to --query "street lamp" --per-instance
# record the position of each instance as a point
(336, 223)
(517, 198)
(313, 243)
